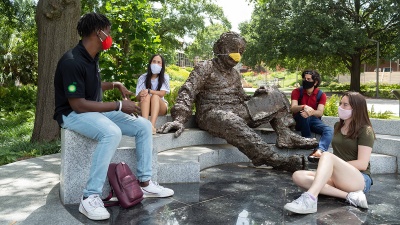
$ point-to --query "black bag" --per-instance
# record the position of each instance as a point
(124, 184)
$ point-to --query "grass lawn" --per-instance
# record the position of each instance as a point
(15, 135)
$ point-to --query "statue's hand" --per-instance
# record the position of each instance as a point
(175, 125)
(260, 91)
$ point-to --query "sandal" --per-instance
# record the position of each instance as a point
(315, 155)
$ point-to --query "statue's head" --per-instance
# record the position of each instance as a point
(229, 48)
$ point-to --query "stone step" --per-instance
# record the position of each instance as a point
(181, 159)
(183, 165)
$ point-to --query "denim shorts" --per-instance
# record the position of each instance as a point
(368, 183)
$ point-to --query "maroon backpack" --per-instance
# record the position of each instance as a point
(124, 184)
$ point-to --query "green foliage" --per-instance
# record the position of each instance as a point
(17, 113)
(338, 87)
(17, 99)
(176, 73)
(379, 115)
(179, 19)
(331, 109)
(331, 106)
(330, 36)
(135, 41)
(171, 97)
(189, 69)
(18, 43)
(248, 74)
(367, 89)
(203, 43)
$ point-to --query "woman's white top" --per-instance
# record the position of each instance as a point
(154, 84)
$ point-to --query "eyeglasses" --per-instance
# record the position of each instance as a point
(308, 72)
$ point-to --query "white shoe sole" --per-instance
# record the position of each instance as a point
(99, 217)
(364, 204)
(289, 208)
(162, 195)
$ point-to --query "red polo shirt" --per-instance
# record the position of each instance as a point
(309, 100)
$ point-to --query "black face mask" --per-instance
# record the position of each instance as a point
(308, 84)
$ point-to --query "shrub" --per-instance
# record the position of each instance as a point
(379, 115)
(331, 106)
(367, 89)
(176, 73)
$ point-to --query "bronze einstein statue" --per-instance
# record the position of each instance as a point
(226, 111)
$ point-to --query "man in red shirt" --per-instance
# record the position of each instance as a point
(308, 103)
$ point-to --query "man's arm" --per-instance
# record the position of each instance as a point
(81, 105)
(115, 84)
(295, 107)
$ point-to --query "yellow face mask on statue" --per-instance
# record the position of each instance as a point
(235, 56)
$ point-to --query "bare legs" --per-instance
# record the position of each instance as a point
(334, 177)
(154, 106)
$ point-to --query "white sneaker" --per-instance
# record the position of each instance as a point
(358, 199)
(153, 190)
(303, 205)
(93, 208)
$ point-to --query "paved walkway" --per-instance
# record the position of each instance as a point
(227, 194)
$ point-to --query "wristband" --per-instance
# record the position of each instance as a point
(148, 90)
(120, 105)
(116, 109)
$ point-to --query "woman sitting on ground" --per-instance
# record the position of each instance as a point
(345, 173)
(151, 89)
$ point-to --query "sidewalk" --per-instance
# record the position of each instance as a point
(227, 194)
(29, 192)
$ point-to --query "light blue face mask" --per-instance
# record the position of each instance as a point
(155, 68)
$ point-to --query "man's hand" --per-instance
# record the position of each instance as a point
(175, 125)
(307, 112)
(124, 91)
(130, 107)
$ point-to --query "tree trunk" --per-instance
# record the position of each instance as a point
(355, 69)
(56, 21)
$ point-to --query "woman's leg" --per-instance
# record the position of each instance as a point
(305, 178)
(145, 106)
(158, 108)
(334, 177)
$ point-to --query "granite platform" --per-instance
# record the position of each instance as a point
(228, 194)
(180, 160)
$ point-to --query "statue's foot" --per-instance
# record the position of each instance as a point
(293, 163)
(293, 140)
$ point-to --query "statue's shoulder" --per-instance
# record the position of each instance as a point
(204, 67)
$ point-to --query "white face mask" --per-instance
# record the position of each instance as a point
(155, 68)
(344, 114)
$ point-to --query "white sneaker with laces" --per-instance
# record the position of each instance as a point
(93, 208)
(303, 205)
(358, 199)
(154, 190)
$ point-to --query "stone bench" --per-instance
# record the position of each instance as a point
(180, 160)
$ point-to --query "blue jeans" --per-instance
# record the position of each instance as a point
(368, 183)
(107, 128)
(314, 124)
